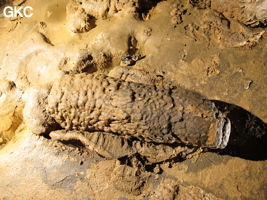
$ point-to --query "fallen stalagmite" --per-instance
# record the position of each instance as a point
(156, 114)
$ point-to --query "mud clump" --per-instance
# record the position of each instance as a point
(177, 13)
(167, 190)
(201, 4)
(131, 178)
(78, 21)
(130, 74)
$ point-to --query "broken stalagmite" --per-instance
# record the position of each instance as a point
(157, 114)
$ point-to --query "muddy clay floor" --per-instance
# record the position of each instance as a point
(215, 48)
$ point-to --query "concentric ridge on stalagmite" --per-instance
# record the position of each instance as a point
(158, 114)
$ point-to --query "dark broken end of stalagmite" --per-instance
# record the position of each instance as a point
(219, 136)
(152, 114)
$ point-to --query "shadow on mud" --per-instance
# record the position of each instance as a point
(248, 138)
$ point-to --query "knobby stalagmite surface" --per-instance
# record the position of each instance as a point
(133, 99)
(151, 113)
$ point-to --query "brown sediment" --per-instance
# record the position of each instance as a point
(215, 48)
